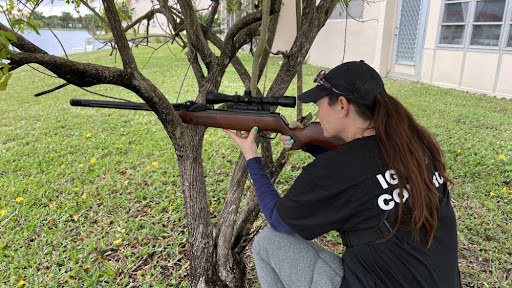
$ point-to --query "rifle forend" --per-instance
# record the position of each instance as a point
(234, 119)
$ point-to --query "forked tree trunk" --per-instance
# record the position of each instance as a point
(190, 165)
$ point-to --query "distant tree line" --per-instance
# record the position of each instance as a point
(67, 20)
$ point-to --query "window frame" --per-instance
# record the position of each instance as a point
(508, 23)
(470, 23)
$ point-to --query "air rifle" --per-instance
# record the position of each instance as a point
(246, 112)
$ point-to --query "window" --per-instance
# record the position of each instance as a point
(355, 10)
(487, 23)
(478, 23)
(454, 23)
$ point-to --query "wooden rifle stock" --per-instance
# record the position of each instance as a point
(232, 120)
(271, 122)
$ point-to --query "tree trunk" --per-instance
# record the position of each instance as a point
(200, 232)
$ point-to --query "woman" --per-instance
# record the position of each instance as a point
(384, 191)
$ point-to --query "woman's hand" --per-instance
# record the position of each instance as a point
(246, 142)
(287, 140)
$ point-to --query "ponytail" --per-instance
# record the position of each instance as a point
(413, 153)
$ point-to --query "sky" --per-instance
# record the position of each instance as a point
(58, 6)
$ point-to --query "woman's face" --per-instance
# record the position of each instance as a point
(329, 117)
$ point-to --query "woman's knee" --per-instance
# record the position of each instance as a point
(263, 240)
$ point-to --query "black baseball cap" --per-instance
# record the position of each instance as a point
(356, 81)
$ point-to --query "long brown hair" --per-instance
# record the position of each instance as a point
(413, 153)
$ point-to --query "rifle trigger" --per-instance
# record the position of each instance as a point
(267, 135)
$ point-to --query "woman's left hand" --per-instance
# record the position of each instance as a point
(246, 142)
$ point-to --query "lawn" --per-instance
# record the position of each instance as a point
(91, 197)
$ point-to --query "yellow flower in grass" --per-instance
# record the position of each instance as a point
(502, 156)
(154, 164)
(118, 241)
(88, 135)
(3, 212)
(62, 166)
(93, 160)
(84, 196)
(492, 194)
(22, 283)
(19, 199)
(505, 190)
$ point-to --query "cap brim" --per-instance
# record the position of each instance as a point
(312, 95)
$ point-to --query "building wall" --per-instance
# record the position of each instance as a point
(369, 39)
(372, 39)
(471, 69)
(286, 28)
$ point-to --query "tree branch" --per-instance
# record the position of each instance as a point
(310, 25)
(237, 64)
(86, 4)
(274, 20)
(261, 46)
(225, 232)
(213, 12)
(147, 16)
(76, 73)
(195, 35)
(121, 42)
(172, 15)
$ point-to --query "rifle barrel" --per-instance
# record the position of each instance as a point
(109, 104)
(234, 120)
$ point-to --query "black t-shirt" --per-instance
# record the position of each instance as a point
(349, 189)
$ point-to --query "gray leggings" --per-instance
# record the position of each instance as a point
(284, 260)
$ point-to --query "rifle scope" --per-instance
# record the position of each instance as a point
(216, 98)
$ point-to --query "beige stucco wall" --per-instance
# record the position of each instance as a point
(369, 39)
(287, 27)
(504, 85)
(479, 71)
(446, 68)
(470, 70)
(366, 39)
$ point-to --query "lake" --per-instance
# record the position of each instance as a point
(72, 40)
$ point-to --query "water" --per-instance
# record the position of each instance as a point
(72, 40)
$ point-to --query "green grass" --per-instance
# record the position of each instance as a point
(120, 220)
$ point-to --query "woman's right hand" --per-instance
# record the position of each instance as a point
(287, 140)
